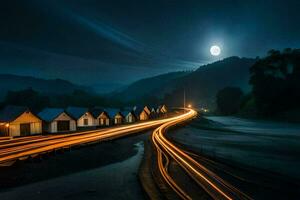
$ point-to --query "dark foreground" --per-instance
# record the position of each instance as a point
(103, 171)
(263, 163)
(257, 158)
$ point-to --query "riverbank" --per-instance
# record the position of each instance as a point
(264, 164)
(146, 174)
(101, 171)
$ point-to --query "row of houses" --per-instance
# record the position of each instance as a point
(20, 121)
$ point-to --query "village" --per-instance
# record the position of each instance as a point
(16, 121)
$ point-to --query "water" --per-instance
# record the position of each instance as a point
(114, 181)
(268, 150)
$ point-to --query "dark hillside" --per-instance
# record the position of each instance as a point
(51, 86)
(201, 85)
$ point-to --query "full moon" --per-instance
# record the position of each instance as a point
(215, 50)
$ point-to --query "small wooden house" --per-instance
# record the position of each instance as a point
(19, 121)
(153, 113)
(57, 120)
(96, 112)
(104, 119)
(115, 115)
(162, 109)
(130, 116)
(141, 113)
(84, 118)
(147, 109)
(101, 117)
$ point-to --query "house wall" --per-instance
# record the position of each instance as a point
(148, 111)
(118, 119)
(89, 117)
(103, 120)
(26, 117)
(144, 115)
(3, 130)
(164, 109)
(130, 118)
(52, 128)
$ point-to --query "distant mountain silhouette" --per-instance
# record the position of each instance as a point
(51, 86)
(154, 86)
(200, 85)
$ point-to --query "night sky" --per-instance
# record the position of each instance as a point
(95, 42)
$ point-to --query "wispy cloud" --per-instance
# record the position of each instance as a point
(109, 32)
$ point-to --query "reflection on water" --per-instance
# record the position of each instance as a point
(114, 181)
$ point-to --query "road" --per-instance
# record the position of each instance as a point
(21, 149)
(215, 186)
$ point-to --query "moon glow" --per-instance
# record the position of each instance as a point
(215, 50)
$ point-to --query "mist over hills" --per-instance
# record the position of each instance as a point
(200, 85)
(44, 86)
(154, 86)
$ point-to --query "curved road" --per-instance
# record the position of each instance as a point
(215, 186)
(21, 149)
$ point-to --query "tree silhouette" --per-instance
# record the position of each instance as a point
(276, 82)
(228, 100)
(28, 97)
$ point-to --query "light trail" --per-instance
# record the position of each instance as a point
(21, 149)
(215, 186)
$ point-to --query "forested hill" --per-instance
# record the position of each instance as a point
(146, 88)
(51, 86)
(200, 85)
